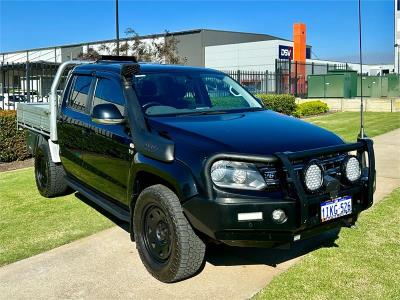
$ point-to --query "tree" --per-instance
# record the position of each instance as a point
(164, 50)
(91, 54)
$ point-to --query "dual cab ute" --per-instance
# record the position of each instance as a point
(188, 156)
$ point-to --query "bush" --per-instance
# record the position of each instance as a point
(311, 108)
(284, 103)
(12, 141)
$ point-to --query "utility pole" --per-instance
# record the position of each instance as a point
(117, 25)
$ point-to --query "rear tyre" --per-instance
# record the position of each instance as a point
(50, 177)
(167, 244)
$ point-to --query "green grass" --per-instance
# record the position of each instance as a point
(31, 224)
(365, 265)
(347, 124)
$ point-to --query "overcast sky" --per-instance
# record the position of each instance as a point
(331, 25)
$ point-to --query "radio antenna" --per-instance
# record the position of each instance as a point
(362, 131)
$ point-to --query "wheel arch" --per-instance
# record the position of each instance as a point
(175, 175)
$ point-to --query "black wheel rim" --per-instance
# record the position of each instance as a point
(42, 172)
(157, 233)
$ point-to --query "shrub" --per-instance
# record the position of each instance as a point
(311, 108)
(12, 141)
(285, 104)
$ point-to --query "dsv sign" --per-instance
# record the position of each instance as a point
(285, 52)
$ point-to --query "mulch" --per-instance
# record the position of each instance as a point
(15, 165)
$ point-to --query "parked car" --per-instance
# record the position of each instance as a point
(187, 164)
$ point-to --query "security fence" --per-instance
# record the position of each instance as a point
(292, 76)
(255, 81)
(31, 81)
(25, 82)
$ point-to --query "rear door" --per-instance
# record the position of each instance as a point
(106, 160)
(73, 123)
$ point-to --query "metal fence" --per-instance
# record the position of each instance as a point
(255, 81)
(31, 81)
(25, 82)
(292, 76)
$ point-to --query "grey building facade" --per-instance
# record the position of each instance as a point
(191, 45)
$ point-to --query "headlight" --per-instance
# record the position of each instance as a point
(312, 174)
(237, 175)
(352, 168)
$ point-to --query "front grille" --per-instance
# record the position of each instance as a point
(330, 163)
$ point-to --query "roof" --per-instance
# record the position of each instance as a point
(115, 67)
(176, 33)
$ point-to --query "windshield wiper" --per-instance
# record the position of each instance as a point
(204, 112)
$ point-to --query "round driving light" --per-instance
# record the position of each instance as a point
(239, 176)
(279, 216)
(218, 170)
(313, 177)
(352, 169)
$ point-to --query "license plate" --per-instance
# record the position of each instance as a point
(336, 208)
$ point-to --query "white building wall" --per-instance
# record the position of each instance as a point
(50, 55)
(254, 56)
(107, 48)
(261, 56)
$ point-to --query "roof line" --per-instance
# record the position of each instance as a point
(104, 41)
(156, 35)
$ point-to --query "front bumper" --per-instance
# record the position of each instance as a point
(216, 215)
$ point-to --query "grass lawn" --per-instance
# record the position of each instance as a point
(365, 265)
(347, 124)
(31, 224)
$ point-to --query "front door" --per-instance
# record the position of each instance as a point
(107, 158)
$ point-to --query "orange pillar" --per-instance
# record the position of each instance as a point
(299, 57)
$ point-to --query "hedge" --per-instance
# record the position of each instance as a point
(285, 104)
(12, 141)
(311, 108)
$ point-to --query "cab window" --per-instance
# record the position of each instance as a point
(108, 91)
(79, 93)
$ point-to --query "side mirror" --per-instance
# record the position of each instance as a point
(107, 114)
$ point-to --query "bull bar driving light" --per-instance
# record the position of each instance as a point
(351, 168)
(313, 176)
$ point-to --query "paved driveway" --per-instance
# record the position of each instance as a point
(107, 266)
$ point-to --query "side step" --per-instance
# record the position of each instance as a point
(109, 206)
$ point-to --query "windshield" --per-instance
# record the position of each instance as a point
(191, 93)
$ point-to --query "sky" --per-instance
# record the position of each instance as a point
(332, 26)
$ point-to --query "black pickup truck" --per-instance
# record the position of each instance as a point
(188, 157)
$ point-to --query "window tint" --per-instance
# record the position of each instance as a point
(168, 90)
(79, 93)
(109, 91)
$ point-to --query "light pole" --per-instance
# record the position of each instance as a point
(117, 25)
(398, 59)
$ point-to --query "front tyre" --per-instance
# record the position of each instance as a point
(50, 177)
(167, 244)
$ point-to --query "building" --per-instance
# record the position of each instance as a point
(266, 61)
(192, 45)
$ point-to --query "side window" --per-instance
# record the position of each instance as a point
(109, 91)
(79, 93)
